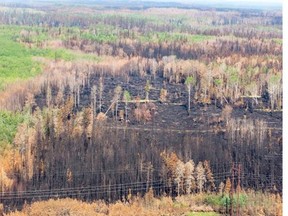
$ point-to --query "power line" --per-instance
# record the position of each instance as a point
(101, 187)
(83, 188)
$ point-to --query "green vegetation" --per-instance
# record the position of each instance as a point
(101, 33)
(9, 122)
(275, 28)
(16, 63)
(63, 54)
(278, 40)
(100, 37)
(220, 201)
(168, 36)
(16, 60)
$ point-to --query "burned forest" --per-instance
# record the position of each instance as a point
(160, 107)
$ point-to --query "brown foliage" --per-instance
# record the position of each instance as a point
(101, 117)
(143, 113)
(209, 175)
(226, 113)
(170, 162)
(156, 206)
(228, 186)
(10, 163)
(163, 95)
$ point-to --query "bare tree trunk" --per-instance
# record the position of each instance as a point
(189, 98)
(116, 110)
(126, 113)
(78, 94)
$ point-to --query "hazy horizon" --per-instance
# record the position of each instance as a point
(177, 1)
(232, 4)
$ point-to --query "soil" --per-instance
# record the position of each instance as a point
(173, 113)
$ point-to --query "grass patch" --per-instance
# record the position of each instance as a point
(15, 60)
(9, 122)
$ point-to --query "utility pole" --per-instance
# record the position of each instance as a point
(235, 170)
(232, 190)
(149, 175)
(238, 190)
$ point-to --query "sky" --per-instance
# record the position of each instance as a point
(222, 1)
(196, 1)
(251, 1)
(263, 4)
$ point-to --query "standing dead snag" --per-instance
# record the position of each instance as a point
(60, 96)
(94, 98)
(150, 169)
(226, 113)
(117, 95)
(147, 89)
(189, 82)
(126, 99)
(29, 103)
(101, 88)
(275, 92)
(221, 188)
(48, 96)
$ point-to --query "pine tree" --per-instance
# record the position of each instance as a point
(87, 119)
(189, 176)
(209, 175)
(66, 110)
(170, 163)
(179, 175)
(58, 122)
(29, 154)
(149, 197)
(200, 176)
(228, 186)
